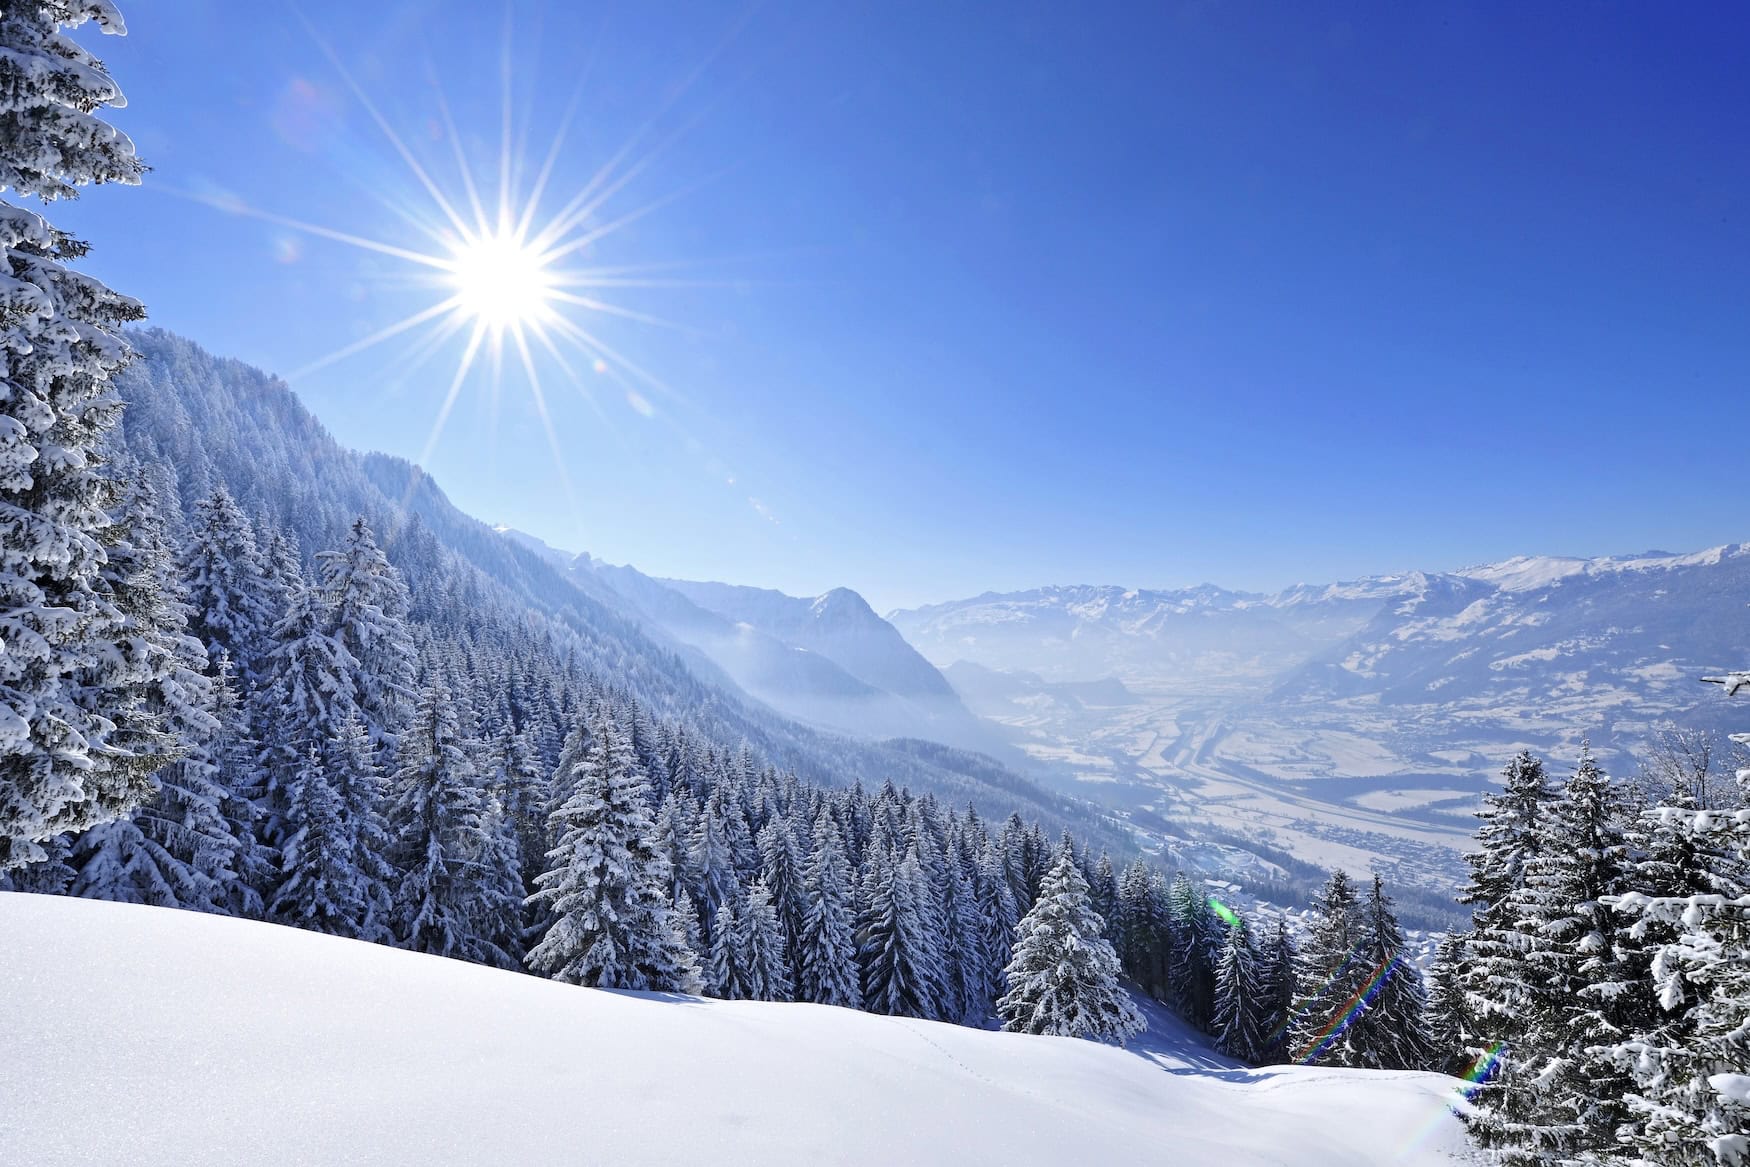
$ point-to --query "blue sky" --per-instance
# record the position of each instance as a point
(988, 296)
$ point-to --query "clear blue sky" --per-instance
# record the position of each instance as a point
(1006, 294)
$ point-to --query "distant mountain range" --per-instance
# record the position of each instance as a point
(827, 660)
(1633, 631)
(1352, 723)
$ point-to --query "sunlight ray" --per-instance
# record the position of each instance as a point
(382, 334)
(244, 210)
(545, 173)
(413, 164)
(454, 390)
(469, 187)
(506, 194)
(559, 250)
(595, 345)
(415, 356)
(604, 307)
(540, 397)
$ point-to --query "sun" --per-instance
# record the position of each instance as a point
(501, 279)
(509, 265)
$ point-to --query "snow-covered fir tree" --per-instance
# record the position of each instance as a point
(1193, 943)
(1277, 984)
(177, 849)
(826, 972)
(781, 872)
(725, 967)
(446, 901)
(231, 607)
(764, 965)
(367, 611)
(1239, 997)
(320, 887)
(353, 770)
(901, 961)
(519, 783)
(1541, 1108)
(77, 745)
(1689, 1105)
(1507, 838)
(1063, 977)
(611, 921)
(1390, 1031)
(1449, 1022)
(1334, 969)
(305, 694)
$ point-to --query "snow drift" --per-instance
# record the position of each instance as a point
(147, 1036)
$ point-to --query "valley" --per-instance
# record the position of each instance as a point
(1354, 724)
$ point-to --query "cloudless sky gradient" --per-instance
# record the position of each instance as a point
(985, 296)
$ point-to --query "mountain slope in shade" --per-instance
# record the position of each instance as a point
(829, 661)
(149, 1036)
(838, 625)
(195, 421)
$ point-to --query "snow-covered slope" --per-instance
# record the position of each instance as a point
(148, 1036)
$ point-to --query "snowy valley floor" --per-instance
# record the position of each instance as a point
(149, 1036)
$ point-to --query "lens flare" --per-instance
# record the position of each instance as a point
(1354, 1007)
(1481, 1071)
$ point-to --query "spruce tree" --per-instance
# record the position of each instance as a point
(726, 971)
(997, 921)
(1449, 1021)
(1239, 997)
(764, 963)
(1063, 977)
(443, 849)
(1690, 1103)
(177, 849)
(520, 786)
(902, 973)
(781, 871)
(1103, 893)
(1541, 1107)
(306, 694)
(1194, 942)
(612, 925)
(1390, 1031)
(1335, 971)
(233, 611)
(1507, 839)
(352, 767)
(70, 694)
(711, 865)
(1277, 993)
(826, 972)
(367, 605)
(320, 888)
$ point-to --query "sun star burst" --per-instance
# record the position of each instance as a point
(510, 274)
(500, 279)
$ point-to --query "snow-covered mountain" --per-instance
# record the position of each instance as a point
(150, 1036)
(1355, 723)
(1630, 631)
(1199, 635)
(828, 660)
(200, 421)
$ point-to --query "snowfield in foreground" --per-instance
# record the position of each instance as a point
(149, 1036)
